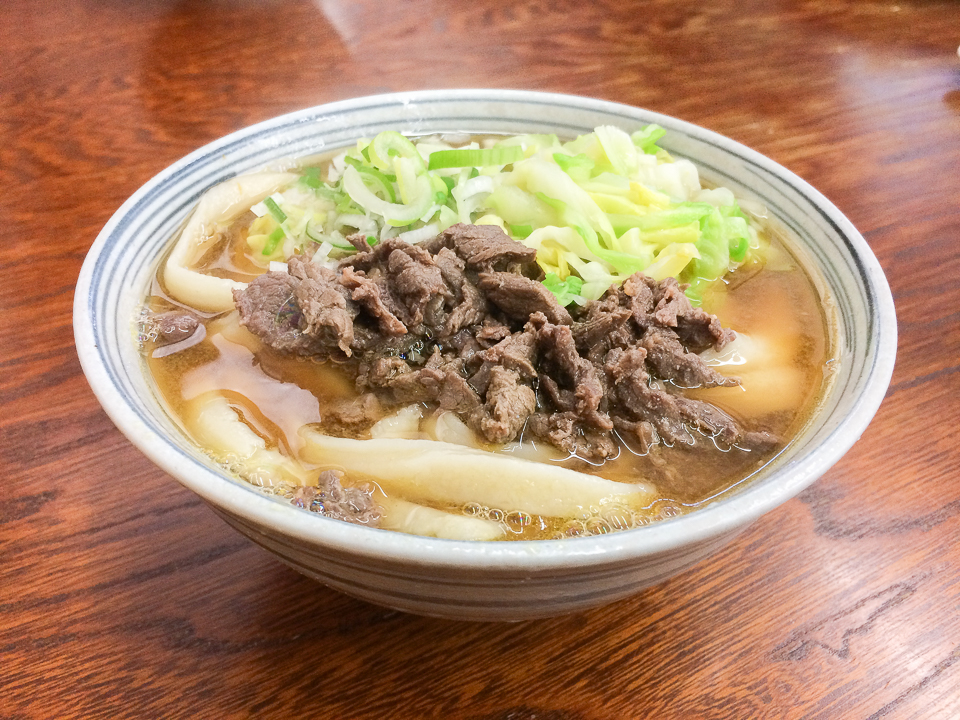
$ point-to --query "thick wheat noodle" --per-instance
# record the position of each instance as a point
(429, 470)
(219, 206)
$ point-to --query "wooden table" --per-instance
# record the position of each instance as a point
(121, 595)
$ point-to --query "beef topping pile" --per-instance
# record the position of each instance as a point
(462, 322)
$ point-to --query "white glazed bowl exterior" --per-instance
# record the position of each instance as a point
(477, 580)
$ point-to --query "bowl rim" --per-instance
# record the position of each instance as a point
(722, 517)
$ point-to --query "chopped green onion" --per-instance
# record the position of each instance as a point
(390, 144)
(311, 177)
(274, 209)
(372, 240)
(474, 157)
(273, 240)
(449, 182)
(395, 214)
(374, 176)
(346, 206)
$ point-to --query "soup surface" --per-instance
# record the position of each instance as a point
(280, 418)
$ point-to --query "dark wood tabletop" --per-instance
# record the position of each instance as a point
(122, 595)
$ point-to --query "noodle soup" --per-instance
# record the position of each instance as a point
(319, 419)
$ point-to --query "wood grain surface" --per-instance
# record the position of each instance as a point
(122, 595)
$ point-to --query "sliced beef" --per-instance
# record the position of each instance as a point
(761, 441)
(671, 414)
(571, 374)
(367, 293)
(269, 309)
(458, 323)
(671, 361)
(598, 330)
(368, 258)
(329, 498)
(641, 292)
(174, 326)
(354, 418)
(696, 328)
(641, 432)
(710, 420)
(441, 382)
(612, 314)
(520, 297)
(455, 393)
(515, 352)
(470, 308)
(482, 247)
(414, 279)
(562, 430)
(359, 241)
(640, 400)
(492, 331)
(323, 302)
(507, 406)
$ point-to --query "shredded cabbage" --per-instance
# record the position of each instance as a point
(597, 208)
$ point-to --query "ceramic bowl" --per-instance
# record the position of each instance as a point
(478, 580)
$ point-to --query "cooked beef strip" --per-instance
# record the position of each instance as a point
(268, 308)
(599, 328)
(638, 399)
(414, 279)
(174, 326)
(368, 294)
(671, 361)
(329, 498)
(562, 430)
(563, 365)
(458, 322)
(520, 297)
(492, 331)
(507, 407)
(471, 307)
(696, 328)
(515, 352)
(323, 302)
(670, 414)
(359, 241)
(353, 418)
(482, 247)
(643, 432)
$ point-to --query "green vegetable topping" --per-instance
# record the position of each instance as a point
(596, 209)
(475, 158)
(646, 139)
(273, 240)
(274, 209)
(311, 177)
